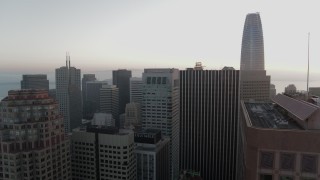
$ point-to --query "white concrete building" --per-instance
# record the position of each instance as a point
(160, 108)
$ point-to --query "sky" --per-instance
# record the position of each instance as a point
(113, 34)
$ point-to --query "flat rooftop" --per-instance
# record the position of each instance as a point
(269, 115)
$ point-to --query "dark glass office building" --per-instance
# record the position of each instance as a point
(209, 114)
(121, 78)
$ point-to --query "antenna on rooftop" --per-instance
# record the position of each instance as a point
(308, 65)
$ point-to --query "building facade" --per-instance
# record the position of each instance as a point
(136, 90)
(152, 154)
(273, 91)
(209, 122)
(254, 83)
(121, 79)
(254, 86)
(252, 50)
(103, 153)
(160, 108)
(86, 78)
(33, 144)
(109, 101)
(280, 140)
(133, 115)
(68, 95)
(92, 95)
(35, 81)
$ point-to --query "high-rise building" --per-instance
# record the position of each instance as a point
(160, 108)
(152, 154)
(133, 115)
(33, 144)
(92, 95)
(273, 91)
(252, 51)
(86, 78)
(279, 140)
(109, 101)
(209, 117)
(35, 81)
(68, 95)
(101, 152)
(254, 83)
(136, 90)
(121, 78)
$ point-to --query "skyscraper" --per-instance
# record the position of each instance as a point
(109, 101)
(160, 108)
(68, 95)
(136, 90)
(92, 95)
(254, 82)
(255, 85)
(33, 144)
(35, 81)
(209, 122)
(252, 51)
(121, 78)
(86, 78)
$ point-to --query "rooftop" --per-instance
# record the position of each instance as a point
(268, 115)
(300, 109)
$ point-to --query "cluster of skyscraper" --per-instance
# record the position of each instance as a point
(169, 124)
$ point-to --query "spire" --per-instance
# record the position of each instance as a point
(69, 59)
(66, 59)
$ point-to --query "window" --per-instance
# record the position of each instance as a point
(266, 160)
(287, 161)
(286, 178)
(309, 163)
(265, 177)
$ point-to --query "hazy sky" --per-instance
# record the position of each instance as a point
(112, 34)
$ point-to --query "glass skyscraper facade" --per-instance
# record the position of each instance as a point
(252, 51)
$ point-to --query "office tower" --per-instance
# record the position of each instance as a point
(209, 121)
(109, 101)
(86, 78)
(160, 108)
(35, 81)
(290, 89)
(103, 119)
(280, 140)
(121, 78)
(152, 154)
(254, 83)
(254, 86)
(92, 103)
(68, 95)
(136, 90)
(252, 51)
(33, 144)
(273, 91)
(133, 115)
(101, 152)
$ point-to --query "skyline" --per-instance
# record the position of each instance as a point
(106, 35)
